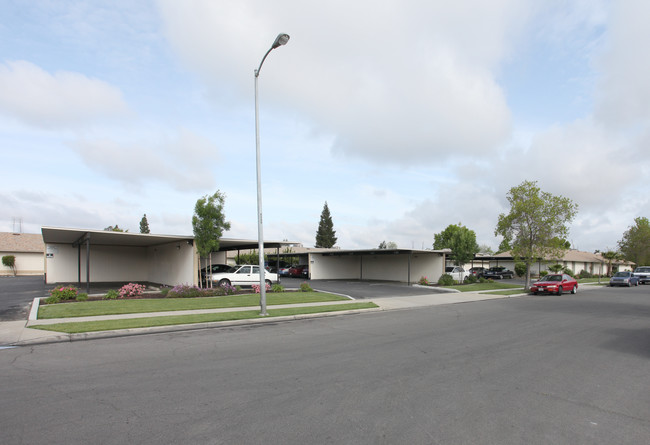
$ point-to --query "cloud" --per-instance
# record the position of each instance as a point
(64, 99)
(404, 82)
(184, 161)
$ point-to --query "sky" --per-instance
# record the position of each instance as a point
(405, 116)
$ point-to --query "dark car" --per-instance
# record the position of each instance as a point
(297, 271)
(555, 284)
(498, 272)
(477, 271)
(624, 279)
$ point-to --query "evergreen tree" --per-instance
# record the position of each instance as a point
(325, 236)
(144, 224)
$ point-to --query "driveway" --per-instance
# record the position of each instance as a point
(363, 289)
(17, 294)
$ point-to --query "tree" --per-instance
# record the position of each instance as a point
(484, 248)
(504, 246)
(208, 224)
(115, 228)
(461, 241)
(535, 222)
(325, 236)
(635, 244)
(388, 245)
(144, 224)
(10, 261)
(611, 256)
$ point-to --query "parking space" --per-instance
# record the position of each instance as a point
(362, 289)
(17, 294)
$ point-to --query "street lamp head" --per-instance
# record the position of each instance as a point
(280, 40)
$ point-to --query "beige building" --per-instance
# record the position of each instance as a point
(28, 248)
(574, 260)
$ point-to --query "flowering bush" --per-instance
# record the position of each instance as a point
(256, 288)
(184, 291)
(228, 289)
(131, 290)
(424, 281)
(304, 287)
(64, 293)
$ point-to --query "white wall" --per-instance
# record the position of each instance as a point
(171, 264)
(27, 263)
(376, 267)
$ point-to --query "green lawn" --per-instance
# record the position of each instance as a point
(169, 320)
(115, 307)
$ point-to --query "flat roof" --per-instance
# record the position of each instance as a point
(60, 235)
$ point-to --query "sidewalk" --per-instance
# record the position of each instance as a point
(19, 333)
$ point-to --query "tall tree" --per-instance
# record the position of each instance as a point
(144, 224)
(325, 236)
(611, 256)
(535, 222)
(209, 223)
(635, 244)
(461, 241)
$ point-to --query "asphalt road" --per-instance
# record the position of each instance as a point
(17, 294)
(534, 370)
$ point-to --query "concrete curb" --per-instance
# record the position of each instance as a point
(64, 338)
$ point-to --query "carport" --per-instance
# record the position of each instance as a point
(99, 256)
(401, 265)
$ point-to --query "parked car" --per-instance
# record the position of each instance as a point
(477, 271)
(215, 268)
(456, 272)
(284, 271)
(624, 279)
(643, 274)
(244, 275)
(297, 271)
(499, 272)
(555, 284)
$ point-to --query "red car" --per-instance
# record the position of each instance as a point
(555, 284)
(298, 271)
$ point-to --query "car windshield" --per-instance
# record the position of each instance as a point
(622, 274)
(642, 269)
(554, 278)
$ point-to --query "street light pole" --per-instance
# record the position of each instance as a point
(280, 40)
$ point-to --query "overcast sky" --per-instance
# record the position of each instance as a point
(404, 115)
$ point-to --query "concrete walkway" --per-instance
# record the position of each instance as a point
(19, 333)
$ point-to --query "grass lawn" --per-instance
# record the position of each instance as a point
(476, 287)
(169, 320)
(116, 307)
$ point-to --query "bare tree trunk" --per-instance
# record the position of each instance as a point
(208, 271)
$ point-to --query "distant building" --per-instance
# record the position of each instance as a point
(29, 250)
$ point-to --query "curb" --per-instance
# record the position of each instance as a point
(62, 338)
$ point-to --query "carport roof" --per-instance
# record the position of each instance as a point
(58, 235)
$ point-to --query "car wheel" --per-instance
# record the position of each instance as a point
(574, 290)
(268, 282)
(535, 293)
(559, 290)
(224, 282)
(629, 284)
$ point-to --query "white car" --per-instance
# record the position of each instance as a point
(456, 272)
(243, 275)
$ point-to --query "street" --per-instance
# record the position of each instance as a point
(572, 369)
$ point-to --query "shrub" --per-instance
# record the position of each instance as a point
(520, 269)
(424, 281)
(585, 274)
(52, 300)
(82, 296)
(543, 273)
(184, 291)
(555, 268)
(10, 261)
(131, 290)
(277, 288)
(482, 280)
(470, 279)
(256, 287)
(568, 271)
(304, 287)
(446, 280)
(111, 295)
(164, 290)
(64, 293)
